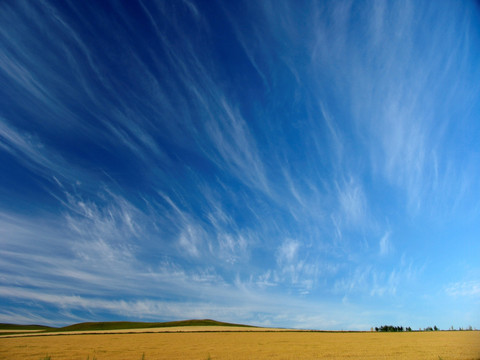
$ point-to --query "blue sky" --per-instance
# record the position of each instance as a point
(279, 163)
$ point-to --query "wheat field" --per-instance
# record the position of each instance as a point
(246, 345)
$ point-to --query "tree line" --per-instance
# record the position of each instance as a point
(390, 328)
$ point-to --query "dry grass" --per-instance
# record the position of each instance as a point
(247, 345)
(149, 330)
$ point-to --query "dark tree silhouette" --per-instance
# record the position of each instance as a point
(389, 328)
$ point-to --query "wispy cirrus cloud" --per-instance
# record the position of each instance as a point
(94, 248)
(393, 87)
(385, 244)
(294, 267)
(96, 116)
(29, 150)
(371, 280)
(222, 135)
(464, 289)
(352, 202)
(87, 261)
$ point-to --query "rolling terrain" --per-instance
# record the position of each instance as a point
(121, 326)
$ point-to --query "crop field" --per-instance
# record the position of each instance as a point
(246, 345)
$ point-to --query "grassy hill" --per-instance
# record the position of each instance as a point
(117, 325)
(120, 325)
(23, 327)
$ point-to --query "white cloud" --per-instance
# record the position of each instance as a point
(233, 141)
(287, 252)
(32, 153)
(373, 280)
(22, 316)
(385, 244)
(190, 239)
(23, 77)
(352, 202)
(336, 137)
(295, 269)
(464, 289)
(267, 279)
(401, 90)
(232, 247)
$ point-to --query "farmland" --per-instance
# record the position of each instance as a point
(246, 343)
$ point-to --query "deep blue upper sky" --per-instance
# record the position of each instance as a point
(286, 163)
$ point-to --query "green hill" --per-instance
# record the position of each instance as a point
(117, 325)
(23, 327)
(121, 325)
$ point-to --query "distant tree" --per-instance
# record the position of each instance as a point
(451, 328)
(470, 328)
(429, 328)
(408, 328)
(435, 328)
(390, 328)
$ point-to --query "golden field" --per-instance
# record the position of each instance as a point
(143, 330)
(246, 345)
